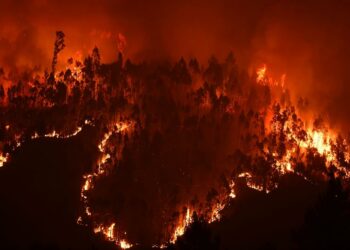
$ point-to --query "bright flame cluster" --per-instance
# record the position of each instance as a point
(3, 159)
(321, 141)
(109, 233)
(181, 227)
(264, 79)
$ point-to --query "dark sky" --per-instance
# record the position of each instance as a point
(307, 40)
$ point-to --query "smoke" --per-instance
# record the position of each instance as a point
(307, 40)
(154, 29)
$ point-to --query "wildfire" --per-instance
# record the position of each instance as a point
(3, 159)
(57, 135)
(263, 78)
(261, 74)
(162, 246)
(282, 146)
(249, 181)
(215, 215)
(119, 127)
(322, 143)
(107, 231)
(88, 181)
(232, 194)
(181, 227)
(109, 234)
(124, 244)
(284, 165)
(19, 139)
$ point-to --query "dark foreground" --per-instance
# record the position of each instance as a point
(40, 203)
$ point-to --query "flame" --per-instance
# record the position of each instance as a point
(124, 244)
(215, 214)
(88, 180)
(320, 140)
(261, 74)
(107, 231)
(109, 234)
(182, 225)
(18, 139)
(161, 246)
(255, 186)
(88, 184)
(264, 79)
(119, 127)
(79, 220)
(3, 159)
(57, 135)
(232, 194)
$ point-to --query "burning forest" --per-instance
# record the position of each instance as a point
(163, 152)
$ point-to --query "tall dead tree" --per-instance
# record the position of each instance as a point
(59, 45)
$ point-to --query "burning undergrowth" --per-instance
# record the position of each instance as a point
(174, 138)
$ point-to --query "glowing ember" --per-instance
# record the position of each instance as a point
(124, 244)
(107, 231)
(232, 194)
(87, 184)
(162, 246)
(57, 135)
(215, 216)
(3, 159)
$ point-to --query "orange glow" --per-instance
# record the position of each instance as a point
(321, 142)
(182, 225)
(57, 135)
(215, 215)
(102, 167)
(121, 43)
(124, 244)
(3, 159)
(263, 78)
(261, 74)
(109, 233)
(232, 194)
(281, 161)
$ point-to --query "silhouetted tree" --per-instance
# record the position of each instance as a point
(2, 92)
(180, 73)
(59, 45)
(198, 236)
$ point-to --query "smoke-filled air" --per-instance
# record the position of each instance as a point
(174, 124)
